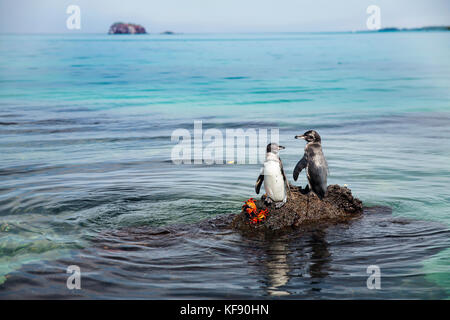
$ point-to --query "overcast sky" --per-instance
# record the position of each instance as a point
(49, 16)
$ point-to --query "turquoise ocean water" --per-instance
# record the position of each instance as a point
(87, 178)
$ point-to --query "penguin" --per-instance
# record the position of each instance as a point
(272, 173)
(314, 162)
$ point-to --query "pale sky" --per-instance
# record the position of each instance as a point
(199, 16)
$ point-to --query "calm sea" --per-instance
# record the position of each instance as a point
(87, 178)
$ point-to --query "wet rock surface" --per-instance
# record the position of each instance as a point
(304, 208)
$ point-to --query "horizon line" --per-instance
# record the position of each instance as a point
(74, 32)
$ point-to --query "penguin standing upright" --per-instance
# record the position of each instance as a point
(314, 162)
(272, 173)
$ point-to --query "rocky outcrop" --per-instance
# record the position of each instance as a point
(302, 209)
(126, 28)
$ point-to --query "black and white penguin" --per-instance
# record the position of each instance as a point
(314, 162)
(272, 173)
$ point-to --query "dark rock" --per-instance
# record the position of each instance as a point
(168, 32)
(342, 198)
(126, 28)
(302, 209)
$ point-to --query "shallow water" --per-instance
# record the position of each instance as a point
(87, 178)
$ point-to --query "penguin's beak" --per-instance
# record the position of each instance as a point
(281, 147)
(300, 137)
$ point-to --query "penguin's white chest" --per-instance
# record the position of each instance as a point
(273, 181)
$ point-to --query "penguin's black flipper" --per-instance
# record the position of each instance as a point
(299, 167)
(259, 183)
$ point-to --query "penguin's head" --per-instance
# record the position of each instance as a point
(310, 136)
(274, 148)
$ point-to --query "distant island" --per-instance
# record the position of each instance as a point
(126, 28)
(430, 28)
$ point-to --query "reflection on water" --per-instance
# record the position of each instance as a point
(320, 256)
(277, 267)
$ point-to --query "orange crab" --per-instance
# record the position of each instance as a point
(250, 206)
(254, 216)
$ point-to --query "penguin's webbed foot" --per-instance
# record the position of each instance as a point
(268, 201)
(304, 190)
(278, 205)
